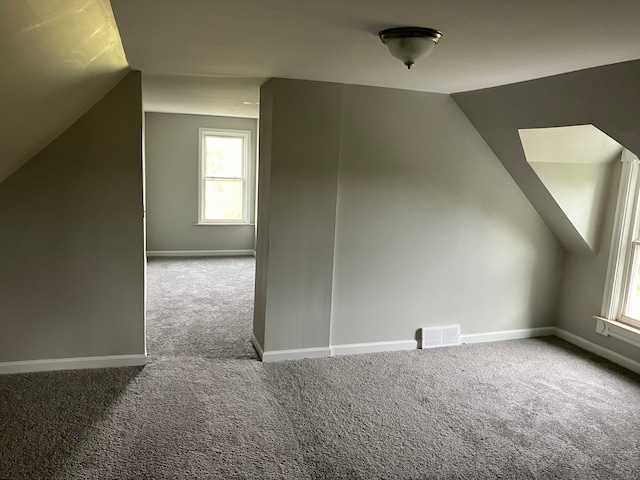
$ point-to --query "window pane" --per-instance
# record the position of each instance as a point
(223, 156)
(633, 296)
(223, 200)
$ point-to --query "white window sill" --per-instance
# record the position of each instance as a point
(621, 331)
(215, 224)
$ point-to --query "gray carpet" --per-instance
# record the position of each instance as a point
(205, 408)
(200, 307)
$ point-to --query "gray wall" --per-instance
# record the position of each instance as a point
(605, 97)
(172, 185)
(263, 213)
(300, 124)
(428, 228)
(581, 191)
(72, 239)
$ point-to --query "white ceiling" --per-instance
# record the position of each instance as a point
(485, 43)
(203, 95)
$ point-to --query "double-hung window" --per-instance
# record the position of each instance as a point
(620, 315)
(629, 302)
(223, 180)
(630, 313)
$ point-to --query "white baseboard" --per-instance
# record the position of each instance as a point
(201, 253)
(333, 350)
(296, 354)
(507, 335)
(46, 365)
(256, 345)
(598, 350)
(373, 347)
(391, 346)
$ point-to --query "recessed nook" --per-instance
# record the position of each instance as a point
(576, 165)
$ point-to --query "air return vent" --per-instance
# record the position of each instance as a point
(441, 336)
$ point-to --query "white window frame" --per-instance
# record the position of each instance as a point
(632, 255)
(246, 174)
(626, 230)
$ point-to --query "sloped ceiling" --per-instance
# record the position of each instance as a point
(484, 44)
(59, 57)
(605, 97)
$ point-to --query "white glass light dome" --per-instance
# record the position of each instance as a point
(410, 43)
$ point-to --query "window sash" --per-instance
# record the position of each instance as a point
(245, 135)
(629, 256)
(225, 219)
(631, 303)
(242, 165)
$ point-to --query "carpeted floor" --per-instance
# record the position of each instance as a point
(204, 408)
(200, 307)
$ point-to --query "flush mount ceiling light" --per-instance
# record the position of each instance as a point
(410, 43)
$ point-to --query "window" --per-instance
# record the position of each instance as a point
(620, 315)
(223, 181)
(629, 302)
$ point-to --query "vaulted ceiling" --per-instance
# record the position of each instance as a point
(58, 58)
(203, 56)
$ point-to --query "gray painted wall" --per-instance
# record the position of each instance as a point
(262, 214)
(72, 239)
(392, 201)
(172, 185)
(431, 229)
(605, 97)
(300, 124)
(581, 191)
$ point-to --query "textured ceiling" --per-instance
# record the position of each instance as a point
(485, 43)
(58, 58)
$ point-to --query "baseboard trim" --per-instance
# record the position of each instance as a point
(76, 363)
(373, 347)
(201, 253)
(333, 350)
(507, 335)
(257, 345)
(598, 350)
(296, 354)
(392, 346)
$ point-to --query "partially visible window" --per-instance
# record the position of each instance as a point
(629, 307)
(621, 302)
(620, 314)
(223, 182)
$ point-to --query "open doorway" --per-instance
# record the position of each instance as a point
(201, 138)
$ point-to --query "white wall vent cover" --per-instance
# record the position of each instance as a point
(441, 336)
